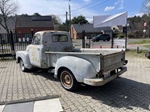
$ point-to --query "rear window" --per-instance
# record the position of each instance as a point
(59, 38)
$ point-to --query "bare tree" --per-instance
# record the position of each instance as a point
(146, 7)
(146, 11)
(56, 19)
(7, 8)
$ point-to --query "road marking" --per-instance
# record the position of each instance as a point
(1, 108)
(52, 105)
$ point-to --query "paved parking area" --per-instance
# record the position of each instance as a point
(130, 93)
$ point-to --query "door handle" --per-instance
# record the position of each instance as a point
(38, 49)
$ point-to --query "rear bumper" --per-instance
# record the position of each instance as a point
(102, 81)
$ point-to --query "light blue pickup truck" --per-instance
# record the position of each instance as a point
(54, 50)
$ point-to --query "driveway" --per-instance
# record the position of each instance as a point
(129, 93)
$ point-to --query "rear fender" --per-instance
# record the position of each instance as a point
(80, 68)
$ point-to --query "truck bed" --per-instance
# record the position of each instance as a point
(102, 59)
(110, 58)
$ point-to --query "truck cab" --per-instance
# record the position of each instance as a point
(55, 41)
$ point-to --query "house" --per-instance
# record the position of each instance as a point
(90, 31)
(26, 24)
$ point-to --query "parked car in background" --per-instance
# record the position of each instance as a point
(104, 37)
(147, 54)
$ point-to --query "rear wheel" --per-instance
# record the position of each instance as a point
(23, 68)
(67, 80)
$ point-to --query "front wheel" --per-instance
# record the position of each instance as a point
(23, 68)
(67, 80)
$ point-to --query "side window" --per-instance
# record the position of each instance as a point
(59, 38)
(36, 40)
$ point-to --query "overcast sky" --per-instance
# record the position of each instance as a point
(87, 8)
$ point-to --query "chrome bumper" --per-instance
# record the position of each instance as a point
(102, 81)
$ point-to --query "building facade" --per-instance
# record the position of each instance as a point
(90, 31)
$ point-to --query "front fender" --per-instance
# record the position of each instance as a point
(80, 68)
(25, 57)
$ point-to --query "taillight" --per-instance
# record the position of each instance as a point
(100, 74)
(125, 62)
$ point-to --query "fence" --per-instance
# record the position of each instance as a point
(10, 43)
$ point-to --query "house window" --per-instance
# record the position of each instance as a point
(36, 40)
(59, 38)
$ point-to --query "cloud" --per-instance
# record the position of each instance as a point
(117, 2)
(86, 0)
(121, 3)
(53, 7)
(139, 14)
(148, 4)
(108, 8)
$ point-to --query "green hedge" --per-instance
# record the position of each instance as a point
(120, 35)
(130, 35)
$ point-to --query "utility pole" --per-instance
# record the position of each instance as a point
(69, 17)
(67, 25)
(125, 33)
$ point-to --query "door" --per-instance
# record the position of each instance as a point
(35, 51)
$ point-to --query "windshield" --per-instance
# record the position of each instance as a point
(36, 40)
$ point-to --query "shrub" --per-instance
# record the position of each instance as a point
(130, 35)
(120, 35)
(138, 34)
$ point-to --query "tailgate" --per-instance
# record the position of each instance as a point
(112, 61)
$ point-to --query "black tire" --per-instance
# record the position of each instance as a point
(68, 80)
(23, 68)
(147, 55)
(108, 39)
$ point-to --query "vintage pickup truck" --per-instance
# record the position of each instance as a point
(73, 66)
